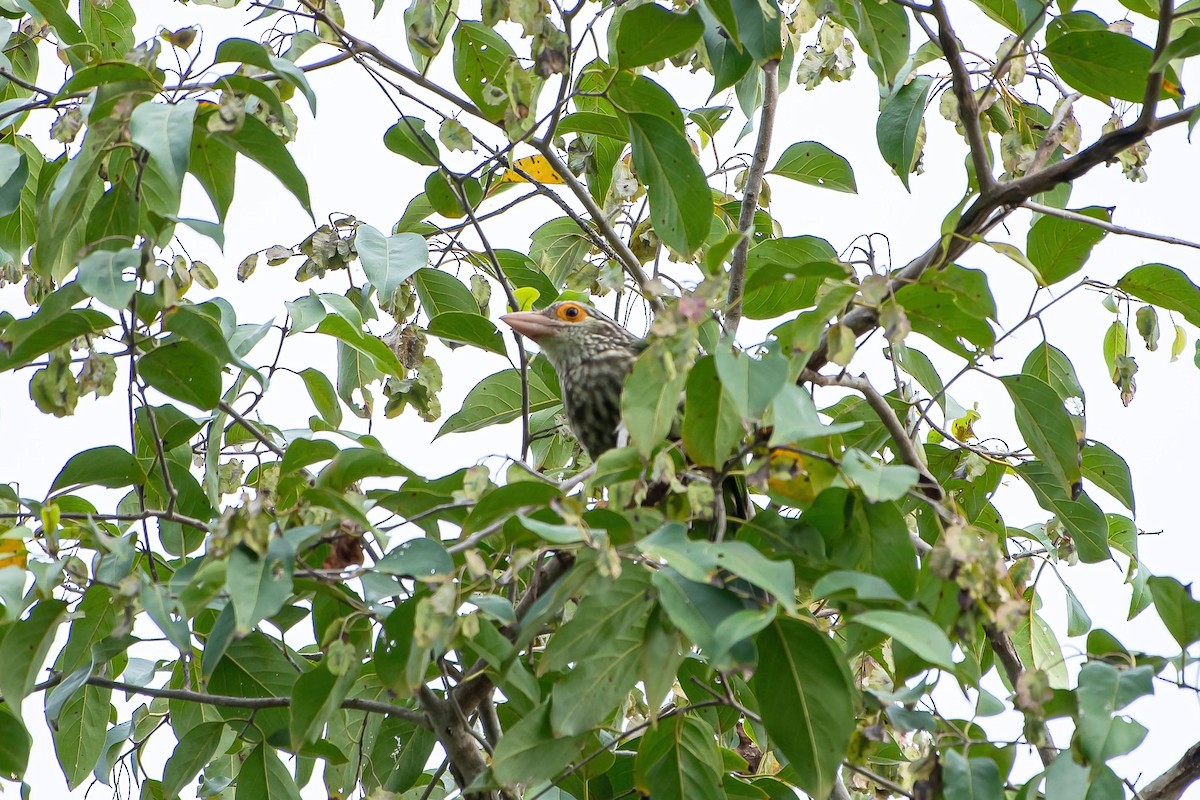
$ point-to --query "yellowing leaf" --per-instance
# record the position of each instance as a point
(13, 553)
(536, 167)
(961, 427)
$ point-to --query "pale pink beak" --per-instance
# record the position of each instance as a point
(532, 324)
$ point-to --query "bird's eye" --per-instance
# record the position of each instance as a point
(571, 312)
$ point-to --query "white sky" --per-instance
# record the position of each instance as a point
(349, 171)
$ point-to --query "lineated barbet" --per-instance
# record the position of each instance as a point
(592, 355)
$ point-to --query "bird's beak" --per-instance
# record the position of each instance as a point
(531, 324)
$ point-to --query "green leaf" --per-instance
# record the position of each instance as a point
(1103, 64)
(651, 33)
(256, 54)
(1078, 620)
(362, 342)
(558, 247)
(815, 164)
(1186, 45)
(185, 372)
(389, 260)
(1105, 468)
(918, 365)
(468, 328)
(14, 173)
(900, 123)
(318, 696)
(530, 752)
(1102, 690)
(678, 758)
(1165, 287)
(729, 61)
(109, 466)
(79, 735)
(651, 396)
(1019, 16)
(497, 399)
(416, 558)
(55, 13)
(323, 396)
(883, 33)
(976, 779)
(264, 777)
(440, 292)
(409, 139)
(24, 650)
(1038, 648)
(257, 142)
(397, 653)
(259, 585)
(213, 162)
(1082, 517)
(481, 60)
(712, 426)
(15, 744)
(1051, 366)
(165, 132)
(681, 204)
(353, 464)
(604, 639)
(806, 699)
(759, 28)
(1059, 247)
(501, 502)
(702, 561)
(878, 482)
(1046, 427)
(193, 752)
(858, 585)
(594, 123)
(1179, 612)
(914, 632)
(716, 619)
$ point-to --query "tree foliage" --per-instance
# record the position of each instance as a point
(298, 605)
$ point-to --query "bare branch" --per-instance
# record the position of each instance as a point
(1006, 654)
(1171, 784)
(968, 108)
(758, 166)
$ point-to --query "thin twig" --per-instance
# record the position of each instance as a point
(754, 177)
(1062, 213)
(233, 701)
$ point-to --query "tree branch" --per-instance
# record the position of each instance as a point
(1006, 654)
(905, 449)
(252, 703)
(620, 249)
(1171, 784)
(968, 108)
(1062, 213)
(758, 166)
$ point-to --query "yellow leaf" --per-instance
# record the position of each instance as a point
(12, 553)
(536, 167)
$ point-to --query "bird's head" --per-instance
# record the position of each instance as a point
(570, 333)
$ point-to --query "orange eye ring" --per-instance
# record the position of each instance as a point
(571, 312)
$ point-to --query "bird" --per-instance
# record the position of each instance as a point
(592, 355)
